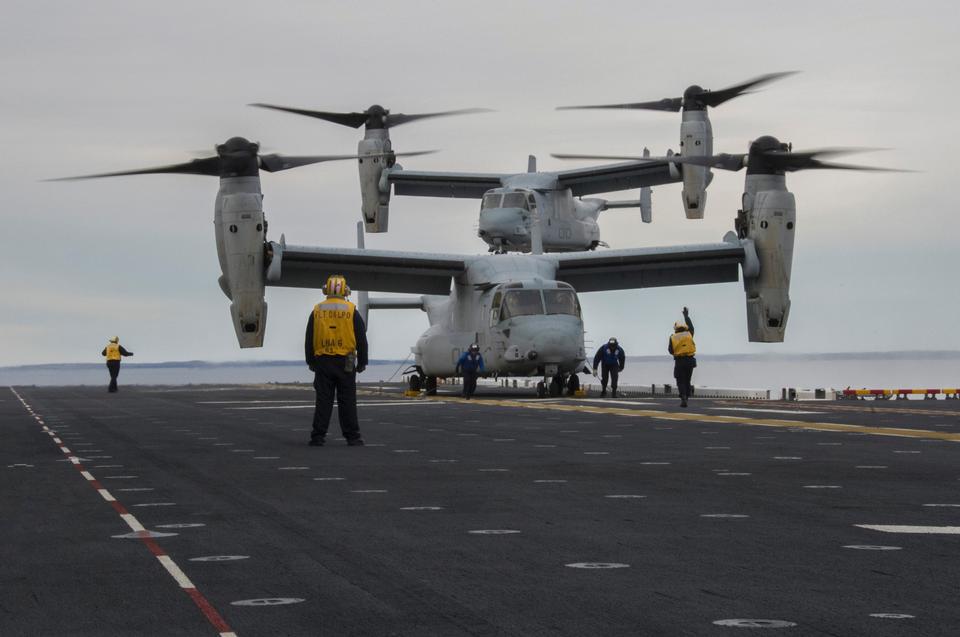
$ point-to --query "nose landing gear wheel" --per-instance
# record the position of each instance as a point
(541, 390)
(415, 383)
(430, 386)
(556, 386)
(573, 384)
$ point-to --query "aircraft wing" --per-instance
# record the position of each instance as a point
(613, 177)
(650, 267)
(431, 184)
(369, 270)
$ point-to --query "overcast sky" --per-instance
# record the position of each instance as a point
(99, 86)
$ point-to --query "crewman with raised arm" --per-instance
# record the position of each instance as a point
(114, 351)
(683, 349)
(335, 348)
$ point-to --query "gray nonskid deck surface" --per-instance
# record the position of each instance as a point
(713, 519)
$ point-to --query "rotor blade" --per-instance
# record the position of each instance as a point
(667, 104)
(802, 160)
(207, 166)
(400, 118)
(353, 120)
(815, 164)
(274, 163)
(723, 161)
(715, 98)
(414, 153)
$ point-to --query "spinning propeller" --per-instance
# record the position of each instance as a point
(767, 155)
(237, 157)
(374, 117)
(695, 98)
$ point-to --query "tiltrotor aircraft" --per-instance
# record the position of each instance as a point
(509, 201)
(522, 310)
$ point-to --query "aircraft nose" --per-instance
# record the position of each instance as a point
(550, 343)
(501, 223)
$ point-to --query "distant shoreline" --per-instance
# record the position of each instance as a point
(198, 364)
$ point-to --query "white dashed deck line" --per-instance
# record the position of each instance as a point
(132, 522)
(597, 565)
(912, 529)
(716, 448)
(368, 491)
(788, 457)
(941, 505)
(655, 463)
(268, 601)
(872, 547)
(898, 451)
(155, 504)
(871, 466)
(406, 451)
(87, 475)
(754, 623)
(549, 481)
(822, 486)
(892, 616)
(596, 453)
(292, 468)
(493, 470)
(175, 572)
(724, 515)
(732, 473)
(624, 496)
(266, 457)
(219, 558)
(504, 439)
(137, 489)
(329, 479)
(493, 532)
(544, 446)
(422, 508)
(106, 495)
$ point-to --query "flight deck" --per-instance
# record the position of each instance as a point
(201, 510)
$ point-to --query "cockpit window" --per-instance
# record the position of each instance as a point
(491, 200)
(514, 200)
(521, 303)
(561, 302)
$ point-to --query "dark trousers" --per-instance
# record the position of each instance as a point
(332, 380)
(683, 372)
(469, 382)
(114, 368)
(609, 371)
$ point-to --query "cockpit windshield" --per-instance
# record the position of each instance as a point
(491, 200)
(561, 302)
(514, 200)
(521, 303)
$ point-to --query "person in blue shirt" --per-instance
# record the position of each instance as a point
(471, 365)
(610, 358)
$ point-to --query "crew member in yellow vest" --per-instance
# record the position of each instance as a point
(683, 348)
(335, 348)
(114, 351)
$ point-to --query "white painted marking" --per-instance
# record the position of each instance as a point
(292, 468)
(597, 565)
(655, 463)
(137, 489)
(406, 451)
(87, 475)
(19, 465)
(106, 495)
(136, 535)
(624, 496)
(493, 532)
(788, 457)
(175, 571)
(73, 460)
(223, 444)
(328, 479)
(569, 431)
(723, 515)
(732, 473)
(242, 450)
(822, 486)
(716, 448)
(906, 528)
(504, 439)
(155, 504)
(421, 508)
(550, 481)
(99, 457)
(596, 453)
(829, 444)
(892, 616)
(872, 547)
(467, 435)
(754, 623)
(108, 466)
(444, 460)
(871, 466)
(368, 491)
(941, 505)
(181, 525)
(612, 436)
(611, 402)
(120, 477)
(545, 446)
(266, 457)
(906, 452)
(493, 470)
(219, 558)
(765, 411)
(268, 601)
(132, 522)
(64, 449)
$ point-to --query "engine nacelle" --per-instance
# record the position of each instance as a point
(376, 155)
(696, 140)
(240, 232)
(769, 219)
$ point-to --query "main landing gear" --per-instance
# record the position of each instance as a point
(556, 385)
(427, 383)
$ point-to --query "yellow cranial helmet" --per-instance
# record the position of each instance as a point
(679, 326)
(114, 339)
(336, 285)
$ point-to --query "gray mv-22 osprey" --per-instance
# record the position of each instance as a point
(510, 201)
(522, 310)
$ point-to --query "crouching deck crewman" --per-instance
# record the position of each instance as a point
(610, 359)
(471, 364)
(114, 351)
(683, 348)
(335, 348)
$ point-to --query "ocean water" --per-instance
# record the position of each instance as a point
(872, 371)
